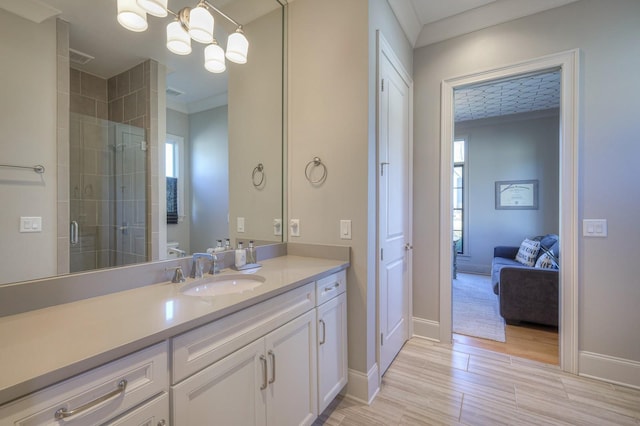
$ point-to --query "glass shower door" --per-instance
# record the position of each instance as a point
(107, 193)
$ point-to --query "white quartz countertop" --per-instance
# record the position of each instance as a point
(44, 346)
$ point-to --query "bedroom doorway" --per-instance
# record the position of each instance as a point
(567, 63)
(504, 130)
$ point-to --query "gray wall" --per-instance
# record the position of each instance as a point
(178, 125)
(515, 147)
(28, 121)
(209, 160)
(331, 111)
(608, 35)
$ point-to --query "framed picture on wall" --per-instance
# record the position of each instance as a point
(517, 195)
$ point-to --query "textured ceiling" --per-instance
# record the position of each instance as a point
(511, 96)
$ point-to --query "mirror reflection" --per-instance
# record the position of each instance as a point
(147, 153)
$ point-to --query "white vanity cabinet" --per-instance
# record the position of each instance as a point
(133, 387)
(259, 366)
(332, 337)
(271, 381)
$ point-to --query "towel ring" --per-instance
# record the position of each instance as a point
(316, 162)
(258, 171)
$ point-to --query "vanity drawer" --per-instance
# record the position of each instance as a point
(201, 347)
(96, 396)
(329, 287)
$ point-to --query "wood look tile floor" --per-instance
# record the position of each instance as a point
(431, 383)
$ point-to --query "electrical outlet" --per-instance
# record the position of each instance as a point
(294, 226)
(277, 226)
(240, 224)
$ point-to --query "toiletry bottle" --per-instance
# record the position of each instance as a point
(241, 256)
(227, 245)
(251, 253)
(219, 247)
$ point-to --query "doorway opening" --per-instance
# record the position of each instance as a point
(568, 64)
(506, 130)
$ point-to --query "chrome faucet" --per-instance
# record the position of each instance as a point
(178, 276)
(196, 266)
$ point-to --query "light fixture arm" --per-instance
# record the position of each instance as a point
(183, 15)
(221, 13)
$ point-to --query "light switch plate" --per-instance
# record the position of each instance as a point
(240, 224)
(345, 229)
(30, 224)
(594, 227)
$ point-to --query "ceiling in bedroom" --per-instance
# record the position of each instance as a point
(528, 93)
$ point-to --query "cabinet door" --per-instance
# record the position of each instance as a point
(332, 349)
(227, 392)
(291, 353)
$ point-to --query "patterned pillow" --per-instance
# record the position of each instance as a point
(547, 261)
(528, 252)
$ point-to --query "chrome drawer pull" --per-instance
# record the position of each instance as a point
(63, 413)
(333, 287)
(273, 363)
(263, 360)
(324, 331)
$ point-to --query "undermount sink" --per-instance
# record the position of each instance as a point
(223, 284)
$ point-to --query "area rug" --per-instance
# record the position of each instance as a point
(475, 308)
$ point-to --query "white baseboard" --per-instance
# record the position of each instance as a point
(426, 329)
(610, 369)
(363, 387)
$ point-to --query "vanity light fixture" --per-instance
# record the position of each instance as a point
(190, 23)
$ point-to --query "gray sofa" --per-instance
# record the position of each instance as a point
(527, 294)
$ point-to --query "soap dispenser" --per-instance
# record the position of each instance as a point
(251, 254)
(241, 256)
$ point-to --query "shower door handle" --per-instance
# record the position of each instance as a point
(74, 234)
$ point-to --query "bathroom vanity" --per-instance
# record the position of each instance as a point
(274, 354)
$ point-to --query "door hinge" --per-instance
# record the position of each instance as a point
(382, 85)
(381, 254)
(381, 339)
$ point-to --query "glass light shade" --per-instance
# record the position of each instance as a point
(178, 41)
(214, 58)
(131, 16)
(154, 7)
(237, 47)
(201, 25)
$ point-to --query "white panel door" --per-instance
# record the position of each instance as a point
(393, 187)
(291, 355)
(228, 392)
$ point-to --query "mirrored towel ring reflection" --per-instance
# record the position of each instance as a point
(257, 177)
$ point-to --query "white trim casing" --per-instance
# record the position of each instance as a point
(426, 329)
(568, 62)
(615, 370)
(363, 387)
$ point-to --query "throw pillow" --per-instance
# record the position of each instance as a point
(528, 252)
(546, 261)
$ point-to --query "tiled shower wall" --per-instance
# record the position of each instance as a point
(109, 121)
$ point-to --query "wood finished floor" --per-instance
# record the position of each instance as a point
(432, 383)
(530, 341)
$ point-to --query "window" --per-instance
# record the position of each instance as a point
(459, 150)
(174, 172)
